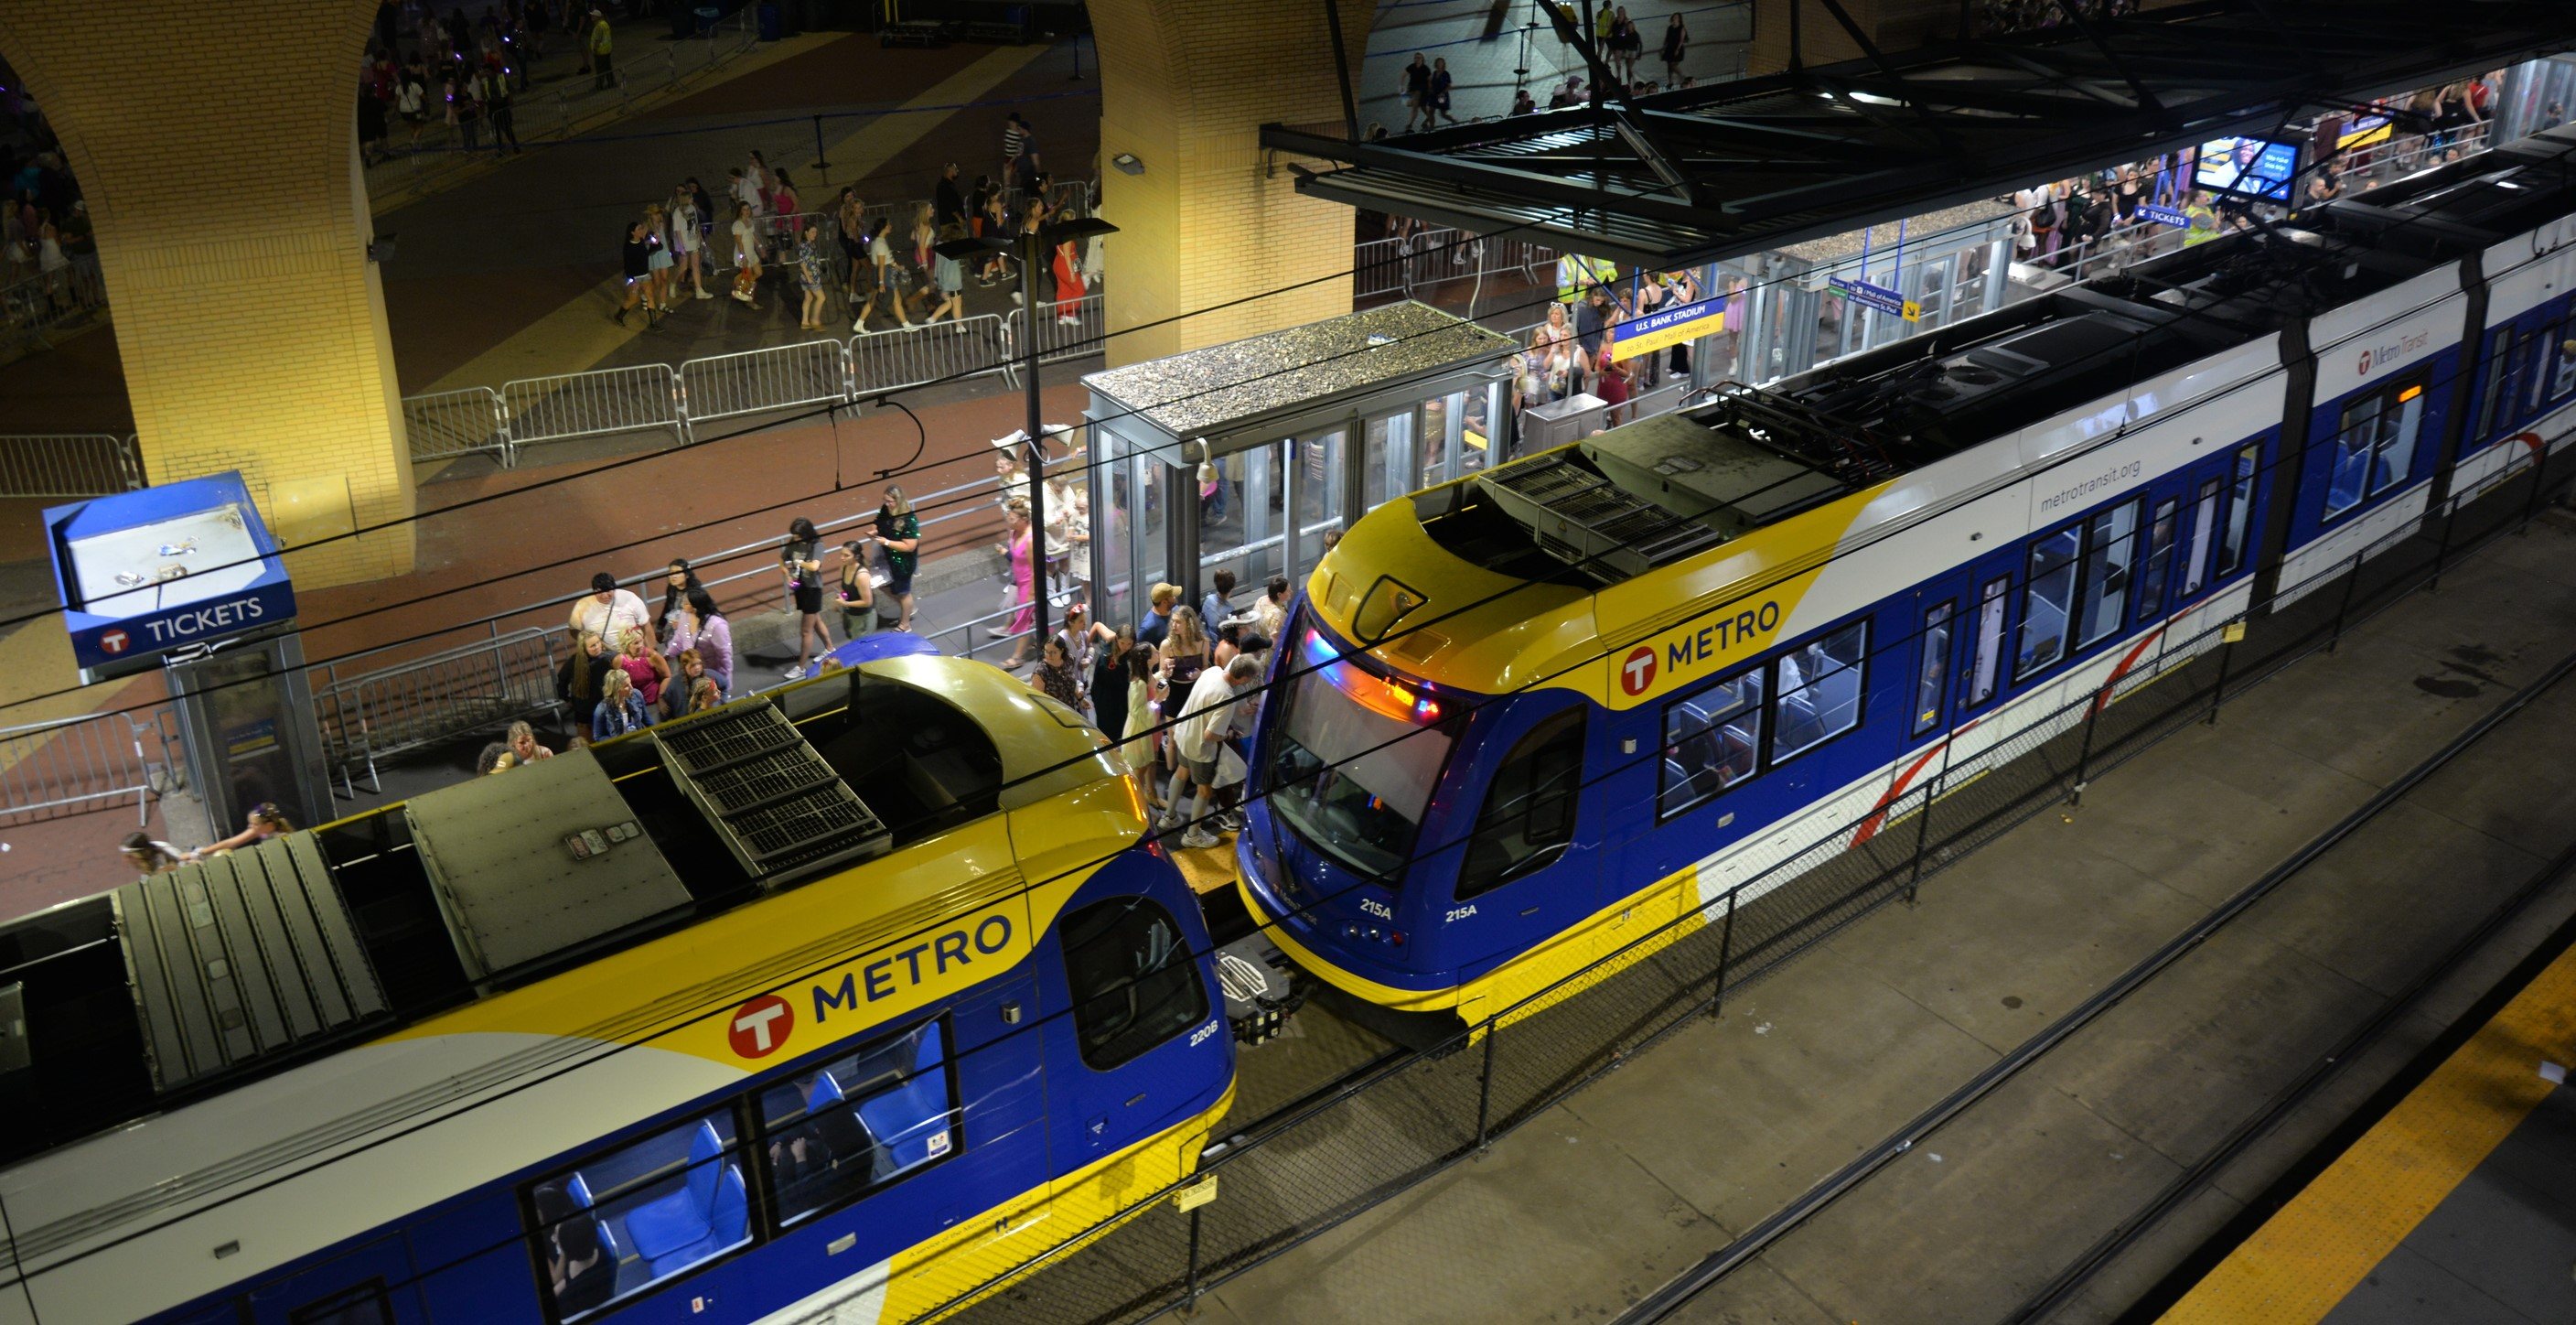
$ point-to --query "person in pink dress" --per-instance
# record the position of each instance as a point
(1017, 546)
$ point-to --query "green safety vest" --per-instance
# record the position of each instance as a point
(1576, 274)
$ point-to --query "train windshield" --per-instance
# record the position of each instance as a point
(1354, 757)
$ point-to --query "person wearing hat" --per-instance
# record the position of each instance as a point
(602, 75)
(1157, 623)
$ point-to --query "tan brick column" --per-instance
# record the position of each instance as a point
(216, 146)
(1185, 87)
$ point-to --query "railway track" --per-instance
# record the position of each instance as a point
(1854, 1176)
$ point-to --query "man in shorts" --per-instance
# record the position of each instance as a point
(1206, 717)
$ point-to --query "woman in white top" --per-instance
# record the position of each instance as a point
(686, 243)
(746, 254)
(49, 255)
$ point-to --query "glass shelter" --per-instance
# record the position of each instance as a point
(1246, 457)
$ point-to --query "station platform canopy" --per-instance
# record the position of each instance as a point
(1684, 176)
(1250, 391)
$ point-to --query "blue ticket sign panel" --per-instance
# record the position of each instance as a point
(2148, 211)
(1667, 327)
(1877, 296)
(144, 573)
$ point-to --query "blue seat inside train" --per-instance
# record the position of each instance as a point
(911, 1120)
(709, 1213)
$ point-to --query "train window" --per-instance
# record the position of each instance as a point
(2240, 509)
(359, 1304)
(2533, 364)
(2204, 538)
(1135, 983)
(2491, 385)
(1712, 740)
(2110, 544)
(1529, 809)
(2047, 599)
(2159, 563)
(2348, 468)
(1932, 674)
(1817, 695)
(2562, 362)
(626, 1219)
(1354, 757)
(1985, 672)
(2399, 426)
(857, 1122)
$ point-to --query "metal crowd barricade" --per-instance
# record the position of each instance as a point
(757, 381)
(68, 465)
(604, 400)
(446, 424)
(1059, 340)
(929, 352)
(432, 699)
(52, 769)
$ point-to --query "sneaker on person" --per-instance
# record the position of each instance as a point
(704, 295)
(794, 673)
(1200, 839)
(1229, 821)
(999, 632)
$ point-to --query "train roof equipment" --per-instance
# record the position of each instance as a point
(192, 982)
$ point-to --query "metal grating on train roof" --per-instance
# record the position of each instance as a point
(777, 803)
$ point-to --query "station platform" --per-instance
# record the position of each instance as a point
(2454, 1203)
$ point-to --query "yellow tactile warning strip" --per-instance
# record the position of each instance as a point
(1208, 871)
(2306, 1258)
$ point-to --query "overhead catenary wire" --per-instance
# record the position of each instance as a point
(722, 1004)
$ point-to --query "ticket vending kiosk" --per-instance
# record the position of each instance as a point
(185, 578)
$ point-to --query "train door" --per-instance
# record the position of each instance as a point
(1982, 636)
(1132, 975)
(1523, 878)
(371, 1285)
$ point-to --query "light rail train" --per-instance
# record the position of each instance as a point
(867, 989)
(1525, 718)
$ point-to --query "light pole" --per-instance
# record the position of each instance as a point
(1033, 243)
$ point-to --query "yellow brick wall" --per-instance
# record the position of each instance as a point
(216, 146)
(1186, 86)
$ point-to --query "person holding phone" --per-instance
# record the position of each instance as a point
(801, 561)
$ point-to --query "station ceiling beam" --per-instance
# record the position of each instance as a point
(1695, 174)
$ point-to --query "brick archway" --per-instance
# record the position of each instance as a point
(216, 145)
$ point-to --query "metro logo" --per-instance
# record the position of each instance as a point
(941, 963)
(760, 1027)
(1638, 673)
(113, 641)
(1720, 634)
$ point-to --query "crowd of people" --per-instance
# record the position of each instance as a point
(885, 278)
(1173, 693)
(1575, 351)
(466, 74)
(44, 223)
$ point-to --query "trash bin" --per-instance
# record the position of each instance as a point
(773, 21)
(707, 17)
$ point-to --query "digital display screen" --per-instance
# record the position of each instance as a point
(2248, 167)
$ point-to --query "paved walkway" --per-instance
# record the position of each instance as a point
(509, 273)
(1483, 41)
